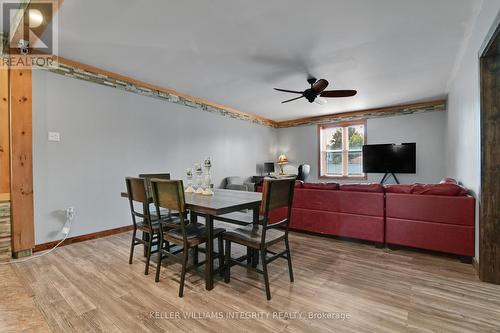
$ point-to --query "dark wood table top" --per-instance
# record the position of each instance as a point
(222, 202)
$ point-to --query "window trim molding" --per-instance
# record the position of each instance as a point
(340, 124)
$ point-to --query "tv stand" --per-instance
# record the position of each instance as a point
(387, 175)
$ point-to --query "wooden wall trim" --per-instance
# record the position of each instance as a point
(23, 233)
(81, 238)
(97, 75)
(78, 70)
(389, 111)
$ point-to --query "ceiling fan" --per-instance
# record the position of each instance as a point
(318, 90)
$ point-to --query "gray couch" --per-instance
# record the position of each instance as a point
(237, 183)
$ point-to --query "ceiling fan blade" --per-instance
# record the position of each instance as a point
(293, 99)
(289, 91)
(320, 85)
(338, 93)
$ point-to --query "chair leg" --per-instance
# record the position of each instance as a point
(158, 263)
(289, 258)
(221, 256)
(255, 259)
(249, 256)
(195, 255)
(145, 237)
(132, 247)
(148, 254)
(183, 273)
(266, 277)
(227, 269)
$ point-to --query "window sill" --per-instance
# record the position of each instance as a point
(344, 177)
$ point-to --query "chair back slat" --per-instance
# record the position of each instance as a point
(277, 193)
(136, 189)
(169, 194)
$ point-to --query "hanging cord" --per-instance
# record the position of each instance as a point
(70, 215)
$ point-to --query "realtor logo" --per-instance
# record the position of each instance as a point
(29, 29)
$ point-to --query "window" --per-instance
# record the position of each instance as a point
(341, 148)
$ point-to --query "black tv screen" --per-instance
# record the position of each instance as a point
(390, 158)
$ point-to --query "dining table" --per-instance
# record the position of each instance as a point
(210, 206)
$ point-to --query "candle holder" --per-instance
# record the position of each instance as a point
(199, 182)
(208, 179)
(189, 177)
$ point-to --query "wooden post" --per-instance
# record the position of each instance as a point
(21, 142)
(4, 133)
(5, 232)
(489, 207)
(23, 233)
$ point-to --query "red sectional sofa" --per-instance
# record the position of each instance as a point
(356, 212)
(437, 217)
(433, 217)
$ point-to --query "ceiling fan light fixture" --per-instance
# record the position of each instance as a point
(320, 101)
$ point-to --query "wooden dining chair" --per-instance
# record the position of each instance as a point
(149, 189)
(170, 194)
(150, 228)
(277, 193)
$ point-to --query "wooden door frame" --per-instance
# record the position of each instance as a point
(489, 226)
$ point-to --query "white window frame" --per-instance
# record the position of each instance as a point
(345, 150)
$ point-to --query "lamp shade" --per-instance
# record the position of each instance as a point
(282, 159)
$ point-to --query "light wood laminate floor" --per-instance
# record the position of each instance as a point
(90, 287)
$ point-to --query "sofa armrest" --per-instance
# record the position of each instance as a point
(250, 186)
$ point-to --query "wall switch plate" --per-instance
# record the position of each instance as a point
(54, 136)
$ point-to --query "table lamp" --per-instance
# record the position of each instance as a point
(282, 160)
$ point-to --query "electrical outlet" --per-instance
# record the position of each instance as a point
(70, 213)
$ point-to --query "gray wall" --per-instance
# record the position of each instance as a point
(107, 134)
(463, 122)
(300, 144)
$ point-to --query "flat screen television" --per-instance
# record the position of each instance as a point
(390, 158)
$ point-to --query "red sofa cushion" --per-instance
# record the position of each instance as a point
(321, 186)
(316, 199)
(340, 201)
(340, 224)
(361, 203)
(398, 188)
(375, 188)
(448, 189)
(432, 208)
(442, 237)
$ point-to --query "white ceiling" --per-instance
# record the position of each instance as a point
(234, 52)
